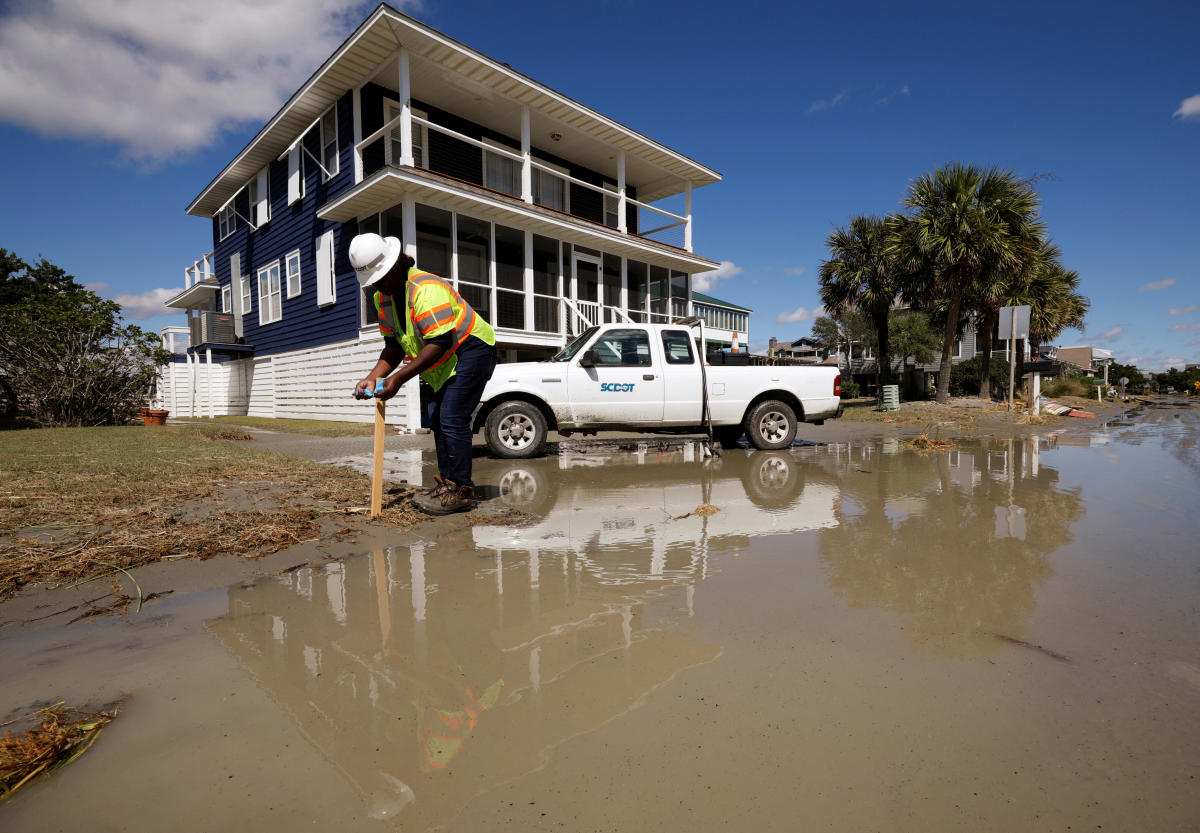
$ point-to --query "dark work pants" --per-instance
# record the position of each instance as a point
(451, 407)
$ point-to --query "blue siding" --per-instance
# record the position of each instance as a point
(296, 226)
(292, 227)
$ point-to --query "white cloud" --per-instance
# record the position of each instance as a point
(1183, 310)
(161, 79)
(706, 281)
(1184, 328)
(1189, 108)
(146, 305)
(1174, 361)
(828, 103)
(796, 270)
(1109, 335)
(96, 286)
(800, 314)
(902, 91)
(1154, 286)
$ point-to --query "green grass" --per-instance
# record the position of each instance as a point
(312, 427)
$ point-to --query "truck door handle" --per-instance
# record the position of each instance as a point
(648, 377)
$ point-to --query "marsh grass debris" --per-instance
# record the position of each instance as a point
(703, 510)
(923, 443)
(84, 502)
(62, 734)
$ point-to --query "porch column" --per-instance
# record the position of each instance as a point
(526, 168)
(687, 211)
(623, 302)
(622, 224)
(408, 224)
(212, 412)
(403, 88)
(530, 319)
(357, 118)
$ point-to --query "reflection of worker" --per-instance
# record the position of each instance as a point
(450, 346)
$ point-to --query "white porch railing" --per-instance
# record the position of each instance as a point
(200, 270)
(584, 314)
(528, 163)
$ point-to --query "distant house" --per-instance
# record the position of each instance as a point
(804, 349)
(546, 215)
(1089, 360)
(726, 325)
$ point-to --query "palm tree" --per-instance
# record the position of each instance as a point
(1058, 305)
(996, 288)
(963, 218)
(861, 274)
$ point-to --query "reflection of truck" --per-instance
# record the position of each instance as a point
(648, 377)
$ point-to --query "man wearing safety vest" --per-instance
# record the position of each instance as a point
(428, 329)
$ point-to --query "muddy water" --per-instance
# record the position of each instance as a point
(1004, 637)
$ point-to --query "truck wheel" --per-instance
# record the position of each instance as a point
(515, 430)
(771, 425)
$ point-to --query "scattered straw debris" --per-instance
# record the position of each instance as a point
(63, 734)
(925, 443)
(224, 432)
(502, 517)
(703, 510)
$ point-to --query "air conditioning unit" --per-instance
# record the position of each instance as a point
(213, 328)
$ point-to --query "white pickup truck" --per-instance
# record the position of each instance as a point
(648, 377)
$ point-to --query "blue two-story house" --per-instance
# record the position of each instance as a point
(546, 216)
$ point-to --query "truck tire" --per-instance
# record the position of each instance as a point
(772, 479)
(515, 430)
(771, 425)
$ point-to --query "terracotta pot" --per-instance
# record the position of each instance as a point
(153, 417)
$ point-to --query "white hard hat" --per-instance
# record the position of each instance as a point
(373, 256)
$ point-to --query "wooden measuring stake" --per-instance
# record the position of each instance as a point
(377, 467)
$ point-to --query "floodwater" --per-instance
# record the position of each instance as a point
(1004, 637)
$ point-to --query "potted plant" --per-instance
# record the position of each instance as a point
(154, 416)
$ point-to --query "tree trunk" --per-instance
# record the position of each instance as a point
(987, 323)
(943, 386)
(883, 359)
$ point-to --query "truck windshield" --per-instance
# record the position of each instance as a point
(575, 346)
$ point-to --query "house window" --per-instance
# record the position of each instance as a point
(420, 147)
(227, 298)
(611, 203)
(474, 263)
(247, 293)
(269, 307)
(293, 274)
(550, 190)
(329, 143)
(501, 172)
(226, 222)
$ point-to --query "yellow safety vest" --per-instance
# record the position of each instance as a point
(431, 308)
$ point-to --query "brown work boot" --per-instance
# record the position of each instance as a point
(438, 487)
(453, 498)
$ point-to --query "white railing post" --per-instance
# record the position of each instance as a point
(408, 224)
(530, 306)
(187, 278)
(622, 222)
(526, 169)
(687, 211)
(406, 149)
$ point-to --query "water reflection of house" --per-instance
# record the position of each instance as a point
(426, 680)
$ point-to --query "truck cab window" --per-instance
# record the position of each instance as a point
(677, 347)
(623, 348)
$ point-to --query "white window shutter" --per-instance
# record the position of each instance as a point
(295, 185)
(326, 291)
(263, 209)
(235, 280)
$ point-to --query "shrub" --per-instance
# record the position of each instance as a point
(851, 389)
(965, 377)
(1062, 386)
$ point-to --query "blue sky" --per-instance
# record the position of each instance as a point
(114, 114)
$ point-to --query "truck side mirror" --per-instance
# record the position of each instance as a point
(589, 358)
